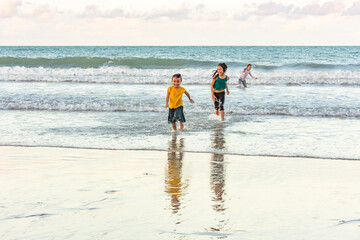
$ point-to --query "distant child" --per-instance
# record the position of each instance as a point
(244, 73)
(174, 93)
(218, 87)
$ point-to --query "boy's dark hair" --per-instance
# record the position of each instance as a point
(176, 75)
(224, 67)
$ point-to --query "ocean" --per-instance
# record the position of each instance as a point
(305, 102)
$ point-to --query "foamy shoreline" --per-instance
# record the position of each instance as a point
(187, 151)
(66, 193)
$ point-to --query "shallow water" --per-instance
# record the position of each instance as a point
(310, 121)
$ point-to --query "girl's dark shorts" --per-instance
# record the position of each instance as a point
(176, 114)
(242, 81)
(219, 100)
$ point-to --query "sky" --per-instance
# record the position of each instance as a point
(170, 22)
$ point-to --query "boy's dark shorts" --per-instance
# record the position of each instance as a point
(176, 114)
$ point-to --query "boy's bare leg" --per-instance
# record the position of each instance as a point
(217, 112)
(181, 126)
(174, 125)
(222, 113)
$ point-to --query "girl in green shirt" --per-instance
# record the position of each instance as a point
(218, 87)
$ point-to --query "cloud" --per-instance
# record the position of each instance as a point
(240, 17)
(9, 8)
(272, 8)
(44, 12)
(353, 10)
(315, 9)
(182, 12)
(93, 11)
(28, 10)
(289, 11)
(200, 7)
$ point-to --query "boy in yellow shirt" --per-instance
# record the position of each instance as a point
(174, 93)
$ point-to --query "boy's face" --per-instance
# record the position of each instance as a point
(249, 68)
(176, 82)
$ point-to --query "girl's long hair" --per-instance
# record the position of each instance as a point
(224, 67)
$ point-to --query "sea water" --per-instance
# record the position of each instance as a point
(305, 101)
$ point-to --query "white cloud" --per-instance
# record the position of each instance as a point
(272, 22)
(316, 9)
(272, 8)
(45, 12)
(290, 11)
(180, 13)
(353, 10)
(94, 11)
(9, 8)
(15, 8)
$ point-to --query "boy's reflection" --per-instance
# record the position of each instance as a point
(173, 183)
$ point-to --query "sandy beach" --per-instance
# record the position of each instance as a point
(64, 193)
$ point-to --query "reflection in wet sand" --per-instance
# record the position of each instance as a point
(217, 177)
(173, 183)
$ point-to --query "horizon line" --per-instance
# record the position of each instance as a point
(179, 45)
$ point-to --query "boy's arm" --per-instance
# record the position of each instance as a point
(167, 100)
(188, 95)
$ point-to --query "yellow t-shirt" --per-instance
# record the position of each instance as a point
(176, 96)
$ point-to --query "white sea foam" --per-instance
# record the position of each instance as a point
(111, 107)
(163, 76)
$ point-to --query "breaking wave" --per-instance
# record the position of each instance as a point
(162, 76)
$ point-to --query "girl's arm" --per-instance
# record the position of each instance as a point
(227, 89)
(167, 100)
(252, 76)
(188, 95)
(212, 89)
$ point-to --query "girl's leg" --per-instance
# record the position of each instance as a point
(222, 113)
(222, 101)
(243, 82)
(216, 103)
(181, 126)
(174, 125)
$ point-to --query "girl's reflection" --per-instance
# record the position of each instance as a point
(217, 177)
(173, 183)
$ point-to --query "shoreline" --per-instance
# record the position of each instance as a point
(184, 151)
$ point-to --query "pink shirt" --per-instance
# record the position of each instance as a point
(244, 73)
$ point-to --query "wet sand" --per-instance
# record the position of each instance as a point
(63, 193)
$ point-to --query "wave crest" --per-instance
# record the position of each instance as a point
(162, 76)
(111, 107)
(158, 63)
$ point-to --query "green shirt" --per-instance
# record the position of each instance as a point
(220, 83)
